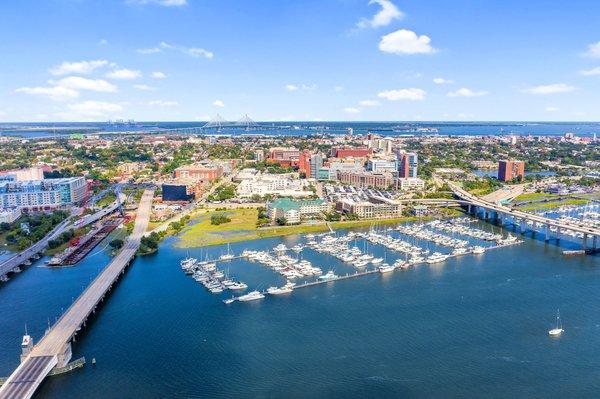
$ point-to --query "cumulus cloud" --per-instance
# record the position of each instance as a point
(338, 88)
(405, 42)
(351, 110)
(369, 103)
(552, 109)
(80, 67)
(591, 72)
(158, 75)
(549, 89)
(56, 93)
(384, 17)
(465, 92)
(593, 50)
(291, 87)
(442, 81)
(218, 103)
(124, 74)
(303, 86)
(162, 103)
(199, 52)
(79, 83)
(411, 94)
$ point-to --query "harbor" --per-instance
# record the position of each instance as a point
(416, 244)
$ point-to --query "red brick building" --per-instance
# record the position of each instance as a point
(365, 179)
(510, 170)
(355, 152)
(284, 156)
(199, 173)
(304, 162)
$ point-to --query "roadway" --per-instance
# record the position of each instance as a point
(56, 342)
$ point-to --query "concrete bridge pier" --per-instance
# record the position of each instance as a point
(522, 226)
(547, 233)
(584, 241)
(65, 356)
(594, 240)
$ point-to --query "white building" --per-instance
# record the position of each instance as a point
(295, 210)
(9, 215)
(411, 184)
(42, 194)
(283, 185)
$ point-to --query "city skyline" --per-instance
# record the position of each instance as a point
(351, 60)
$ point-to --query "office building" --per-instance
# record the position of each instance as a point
(510, 170)
(365, 179)
(40, 195)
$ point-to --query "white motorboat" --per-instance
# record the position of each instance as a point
(251, 296)
(330, 275)
(478, 250)
(386, 268)
(286, 289)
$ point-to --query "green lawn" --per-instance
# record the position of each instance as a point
(541, 206)
(534, 197)
(108, 199)
(243, 228)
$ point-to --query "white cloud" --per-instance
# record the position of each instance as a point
(369, 103)
(303, 86)
(591, 72)
(161, 103)
(218, 103)
(410, 94)
(124, 74)
(103, 42)
(80, 67)
(384, 17)
(338, 88)
(593, 50)
(405, 42)
(465, 92)
(79, 83)
(151, 50)
(199, 52)
(463, 115)
(552, 109)
(351, 110)
(158, 75)
(195, 52)
(57, 93)
(144, 87)
(549, 89)
(165, 3)
(442, 81)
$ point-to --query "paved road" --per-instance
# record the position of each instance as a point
(26, 378)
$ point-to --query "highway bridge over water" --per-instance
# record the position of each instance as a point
(54, 349)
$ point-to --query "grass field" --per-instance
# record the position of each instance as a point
(108, 199)
(242, 227)
(534, 197)
(542, 206)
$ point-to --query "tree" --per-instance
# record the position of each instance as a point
(281, 221)
(116, 243)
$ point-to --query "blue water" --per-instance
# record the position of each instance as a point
(474, 326)
(310, 128)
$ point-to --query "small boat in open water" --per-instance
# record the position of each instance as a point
(555, 332)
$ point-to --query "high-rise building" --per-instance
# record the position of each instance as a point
(510, 170)
(304, 163)
(44, 194)
(408, 163)
(316, 163)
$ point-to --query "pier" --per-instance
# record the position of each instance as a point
(54, 349)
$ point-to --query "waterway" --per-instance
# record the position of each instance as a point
(474, 326)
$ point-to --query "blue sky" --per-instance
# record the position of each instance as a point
(71, 60)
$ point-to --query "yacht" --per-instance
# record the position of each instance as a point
(436, 257)
(376, 261)
(238, 286)
(188, 262)
(251, 296)
(555, 332)
(386, 268)
(330, 275)
(478, 250)
(280, 248)
(286, 289)
(228, 255)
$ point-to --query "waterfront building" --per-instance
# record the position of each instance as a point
(411, 184)
(374, 208)
(509, 170)
(39, 195)
(365, 179)
(295, 210)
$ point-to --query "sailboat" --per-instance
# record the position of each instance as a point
(555, 332)
(228, 255)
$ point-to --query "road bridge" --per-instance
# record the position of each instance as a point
(504, 214)
(54, 349)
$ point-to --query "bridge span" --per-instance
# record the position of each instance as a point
(54, 349)
(521, 219)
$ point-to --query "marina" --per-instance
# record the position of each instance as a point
(300, 273)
